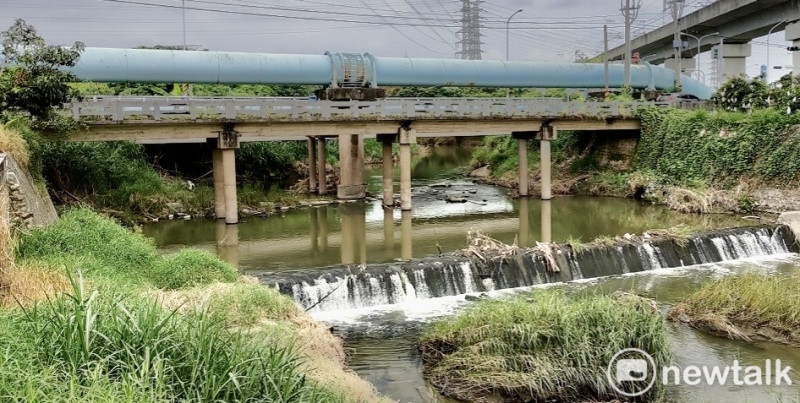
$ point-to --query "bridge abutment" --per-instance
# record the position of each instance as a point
(351, 167)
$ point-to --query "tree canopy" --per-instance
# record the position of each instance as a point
(32, 77)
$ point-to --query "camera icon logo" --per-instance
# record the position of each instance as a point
(631, 372)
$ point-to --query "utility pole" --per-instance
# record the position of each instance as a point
(470, 32)
(676, 7)
(605, 57)
(183, 9)
(630, 10)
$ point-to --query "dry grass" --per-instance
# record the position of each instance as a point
(480, 245)
(28, 285)
(12, 143)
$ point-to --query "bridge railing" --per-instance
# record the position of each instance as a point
(119, 109)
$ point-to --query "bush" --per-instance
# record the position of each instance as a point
(541, 347)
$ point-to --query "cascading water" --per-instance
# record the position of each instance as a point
(347, 288)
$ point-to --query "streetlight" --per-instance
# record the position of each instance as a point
(699, 41)
(507, 24)
(768, 34)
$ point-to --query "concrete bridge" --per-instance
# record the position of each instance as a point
(728, 25)
(226, 122)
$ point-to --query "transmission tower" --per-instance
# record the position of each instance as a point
(470, 32)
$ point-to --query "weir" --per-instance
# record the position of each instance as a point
(450, 274)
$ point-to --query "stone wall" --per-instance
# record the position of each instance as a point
(29, 205)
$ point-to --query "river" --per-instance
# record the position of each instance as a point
(382, 338)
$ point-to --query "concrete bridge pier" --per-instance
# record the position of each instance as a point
(547, 134)
(407, 138)
(388, 168)
(312, 165)
(522, 140)
(223, 158)
(734, 59)
(686, 64)
(322, 174)
(351, 167)
(219, 183)
(792, 32)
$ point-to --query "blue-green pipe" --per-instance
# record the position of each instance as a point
(144, 65)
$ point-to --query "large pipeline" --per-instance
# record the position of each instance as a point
(169, 66)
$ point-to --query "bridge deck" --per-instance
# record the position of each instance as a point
(187, 119)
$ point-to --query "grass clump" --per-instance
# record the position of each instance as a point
(191, 267)
(750, 306)
(111, 254)
(86, 346)
(538, 348)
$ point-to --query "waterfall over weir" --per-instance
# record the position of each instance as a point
(357, 287)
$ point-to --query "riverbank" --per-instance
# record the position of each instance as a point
(692, 161)
(95, 313)
(749, 307)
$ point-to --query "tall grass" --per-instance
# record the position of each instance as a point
(100, 346)
(538, 348)
(112, 254)
(746, 305)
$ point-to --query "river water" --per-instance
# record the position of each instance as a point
(382, 338)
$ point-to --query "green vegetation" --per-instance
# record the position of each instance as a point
(542, 347)
(747, 306)
(144, 327)
(89, 346)
(32, 81)
(85, 240)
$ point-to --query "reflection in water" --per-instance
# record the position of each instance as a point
(523, 240)
(298, 240)
(547, 221)
(388, 233)
(405, 236)
(354, 234)
(227, 236)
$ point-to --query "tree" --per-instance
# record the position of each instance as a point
(33, 80)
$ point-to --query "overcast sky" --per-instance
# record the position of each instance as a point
(546, 30)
